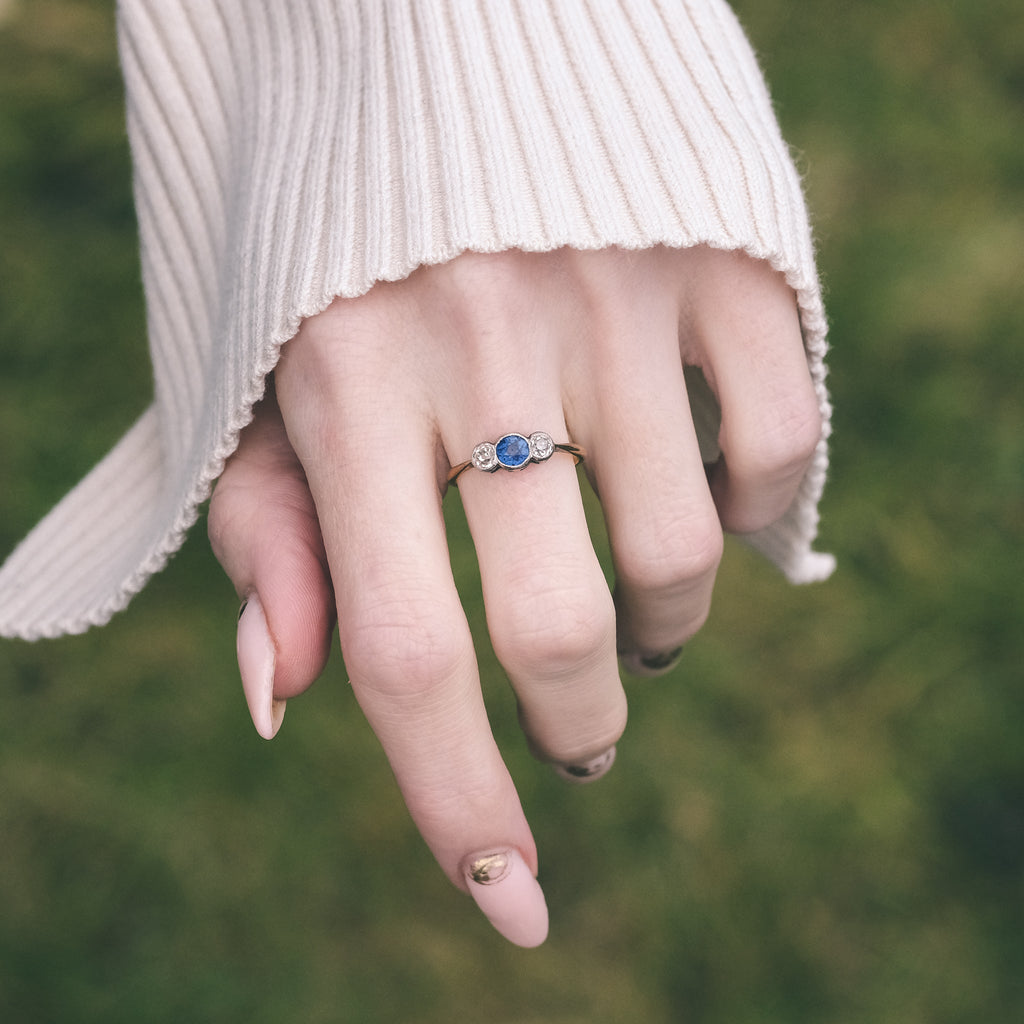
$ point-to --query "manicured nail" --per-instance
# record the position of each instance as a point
(588, 771)
(654, 664)
(257, 659)
(508, 894)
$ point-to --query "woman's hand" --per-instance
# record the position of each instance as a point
(333, 501)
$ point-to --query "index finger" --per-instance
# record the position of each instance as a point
(407, 644)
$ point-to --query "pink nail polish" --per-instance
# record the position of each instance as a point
(257, 660)
(588, 771)
(508, 894)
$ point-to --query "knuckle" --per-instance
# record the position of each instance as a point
(404, 645)
(261, 517)
(554, 630)
(476, 273)
(784, 445)
(674, 557)
(336, 352)
(489, 295)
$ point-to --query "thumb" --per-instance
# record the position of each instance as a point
(264, 531)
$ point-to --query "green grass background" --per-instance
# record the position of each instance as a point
(818, 817)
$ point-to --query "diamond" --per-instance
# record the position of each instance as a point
(541, 446)
(513, 451)
(485, 457)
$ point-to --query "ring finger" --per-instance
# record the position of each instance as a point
(549, 612)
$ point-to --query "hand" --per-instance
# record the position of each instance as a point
(334, 498)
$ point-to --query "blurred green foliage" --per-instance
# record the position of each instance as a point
(818, 817)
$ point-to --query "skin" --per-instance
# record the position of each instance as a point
(330, 510)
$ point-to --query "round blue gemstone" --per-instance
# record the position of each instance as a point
(513, 451)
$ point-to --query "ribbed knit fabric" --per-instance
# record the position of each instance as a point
(288, 153)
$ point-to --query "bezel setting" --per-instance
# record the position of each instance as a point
(485, 457)
(513, 451)
(542, 446)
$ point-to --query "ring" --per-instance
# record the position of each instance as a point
(515, 451)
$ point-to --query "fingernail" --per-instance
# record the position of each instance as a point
(508, 894)
(588, 771)
(257, 659)
(650, 664)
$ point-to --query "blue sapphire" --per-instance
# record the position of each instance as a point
(513, 451)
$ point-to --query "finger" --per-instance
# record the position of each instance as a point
(748, 333)
(549, 612)
(264, 532)
(404, 635)
(662, 525)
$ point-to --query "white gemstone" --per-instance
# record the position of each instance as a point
(485, 457)
(541, 446)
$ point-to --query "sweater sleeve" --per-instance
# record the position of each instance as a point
(285, 154)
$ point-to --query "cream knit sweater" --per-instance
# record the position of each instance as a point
(290, 151)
